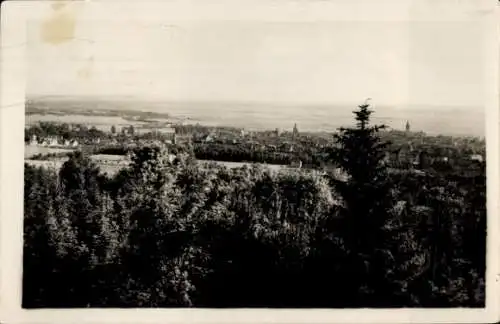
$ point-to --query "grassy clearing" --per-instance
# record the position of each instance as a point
(233, 165)
(111, 164)
(109, 158)
(110, 169)
(30, 151)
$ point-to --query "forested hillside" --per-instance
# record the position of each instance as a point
(165, 233)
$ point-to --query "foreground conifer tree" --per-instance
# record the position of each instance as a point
(370, 230)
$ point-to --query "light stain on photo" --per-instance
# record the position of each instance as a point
(60, 26)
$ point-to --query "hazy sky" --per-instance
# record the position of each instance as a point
(393, 62)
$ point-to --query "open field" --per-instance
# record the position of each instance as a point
(109, 158)
(30, 151)
(233, 165)
(111, 164)
(56, 164)
(107, 163)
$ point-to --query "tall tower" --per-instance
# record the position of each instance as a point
(295, 131)
(407, 126)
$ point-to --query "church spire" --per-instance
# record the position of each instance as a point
(407, 126)
(295, 130)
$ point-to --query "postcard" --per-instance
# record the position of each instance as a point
(281, 161)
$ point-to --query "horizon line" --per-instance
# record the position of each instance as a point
(245, 101)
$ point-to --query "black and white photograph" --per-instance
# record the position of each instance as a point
(234, 161)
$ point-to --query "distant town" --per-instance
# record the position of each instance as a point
(51, 141)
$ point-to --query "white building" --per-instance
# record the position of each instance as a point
(209, 139)
(34, 140)
(52, 141)
(477, 157)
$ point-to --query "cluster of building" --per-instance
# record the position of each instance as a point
(164, 135)
(418, 157)
(52, 141)
(407, 154)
